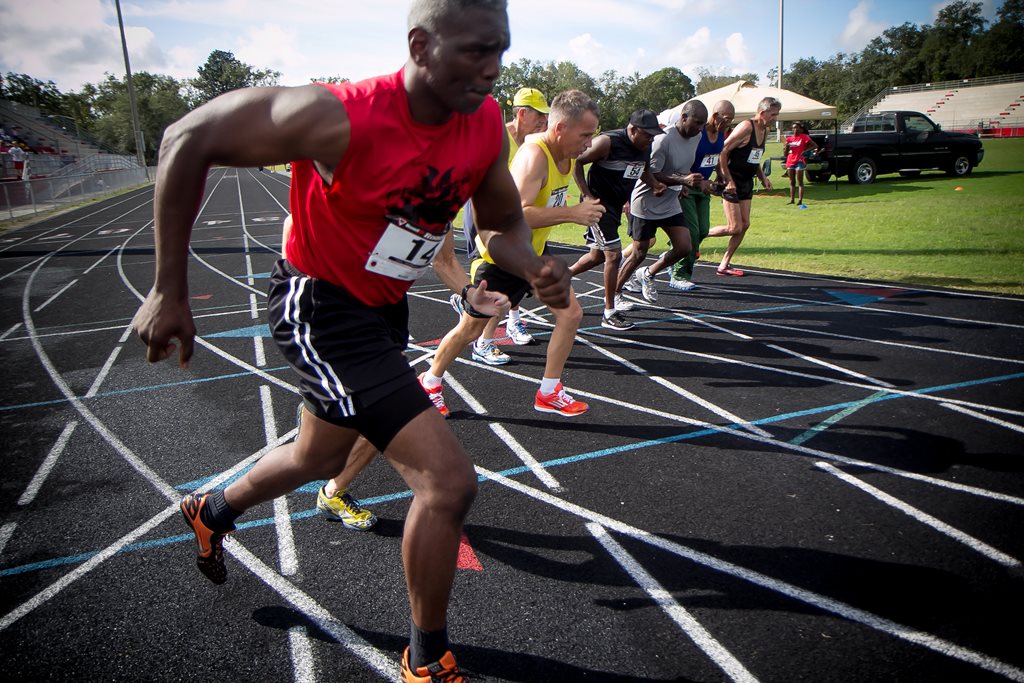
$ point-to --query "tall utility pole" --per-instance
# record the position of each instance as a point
(778, 125)
(780, 43)
(139, 149)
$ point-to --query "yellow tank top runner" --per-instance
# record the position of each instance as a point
(552, 193)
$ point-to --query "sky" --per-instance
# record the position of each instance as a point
(73, 42)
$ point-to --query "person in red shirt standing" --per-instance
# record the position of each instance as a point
(379, 169)
(796, 144)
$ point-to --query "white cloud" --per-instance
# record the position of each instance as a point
(860, 29)
(271, 46)
(736, 47)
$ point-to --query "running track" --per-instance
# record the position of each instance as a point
(782, 478)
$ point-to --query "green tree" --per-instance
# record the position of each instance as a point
(1001, 50)
(660, 90)
(614, 98)
(31, 91)
(708, 79)
(160, 103)
(222, 73)
(947, 48)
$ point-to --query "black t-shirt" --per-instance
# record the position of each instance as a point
(612, 179)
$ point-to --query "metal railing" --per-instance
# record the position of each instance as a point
(21, 197)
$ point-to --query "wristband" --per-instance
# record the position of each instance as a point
(465, 290)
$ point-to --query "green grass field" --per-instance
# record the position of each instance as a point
(922, 231)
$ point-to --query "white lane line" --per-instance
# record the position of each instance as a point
(923, 517)
(781, 445)
(323, 619)
(538, 470)
(817, 600)
(877, 311)
(303, 666)
(288, 558)
(685, 393)
(794, 373)
(104, 371)
(523, 454)
(676, 612)
(101, 260)
(831, 366)
(6, 531)
(48, 464)
(983, 416)
(9, 331)
(54, 297)
(62, 226)
(866, 340)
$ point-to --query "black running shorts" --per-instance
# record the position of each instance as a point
(512, 286)
(643, 229)
(744, 190)
(349, 356)
(605, 235)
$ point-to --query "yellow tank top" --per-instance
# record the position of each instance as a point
(513, 147)
(552, 193)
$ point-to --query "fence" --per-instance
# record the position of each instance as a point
(22, 197)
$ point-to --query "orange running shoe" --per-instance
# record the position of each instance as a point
(211, 543)
(444, 670)
(559, 402)
(435, 396)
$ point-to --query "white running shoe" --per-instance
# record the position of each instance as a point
(517, 333)
(489, 354)
(681, 284)
(622, 305)
(650, 294)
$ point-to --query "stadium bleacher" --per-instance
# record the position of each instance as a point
(991, 109)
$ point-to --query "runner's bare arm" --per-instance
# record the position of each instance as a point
(739, 137)
(447, 267)
(249, 127)
(597, 151)
(504, 232)
(530, 173)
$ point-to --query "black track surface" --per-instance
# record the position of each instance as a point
(782, 477)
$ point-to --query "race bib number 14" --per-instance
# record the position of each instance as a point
(404, 251)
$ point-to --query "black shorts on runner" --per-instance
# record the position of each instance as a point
(605, 235)
(498, 280)
(643, 229)
(744, 190)
(349, 356)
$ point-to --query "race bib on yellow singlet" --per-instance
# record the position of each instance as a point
(558, 197)
(709, 161)
(405, 250)
(755, 156)
(634, 170)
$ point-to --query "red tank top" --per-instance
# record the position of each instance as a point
(377, 226)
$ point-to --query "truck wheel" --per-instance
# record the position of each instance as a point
(818, 176)
(960, 167)
(864, 171)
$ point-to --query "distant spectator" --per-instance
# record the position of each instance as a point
(796, 145)
(4, 135)
(17, 155)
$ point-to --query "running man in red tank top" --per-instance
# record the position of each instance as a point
(380, 168)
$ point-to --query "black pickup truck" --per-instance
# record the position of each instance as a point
(904, 142)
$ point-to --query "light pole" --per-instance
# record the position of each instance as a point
(131, 93)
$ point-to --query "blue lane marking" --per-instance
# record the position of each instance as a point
(251, 331)
(591, 455)
(152, 387)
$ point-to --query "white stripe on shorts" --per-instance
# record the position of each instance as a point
(301, 331)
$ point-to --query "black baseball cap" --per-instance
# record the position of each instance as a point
(646, 120)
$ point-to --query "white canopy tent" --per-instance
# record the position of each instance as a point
(745, 95)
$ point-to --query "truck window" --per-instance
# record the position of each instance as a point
(918, 124)
(888, 123)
